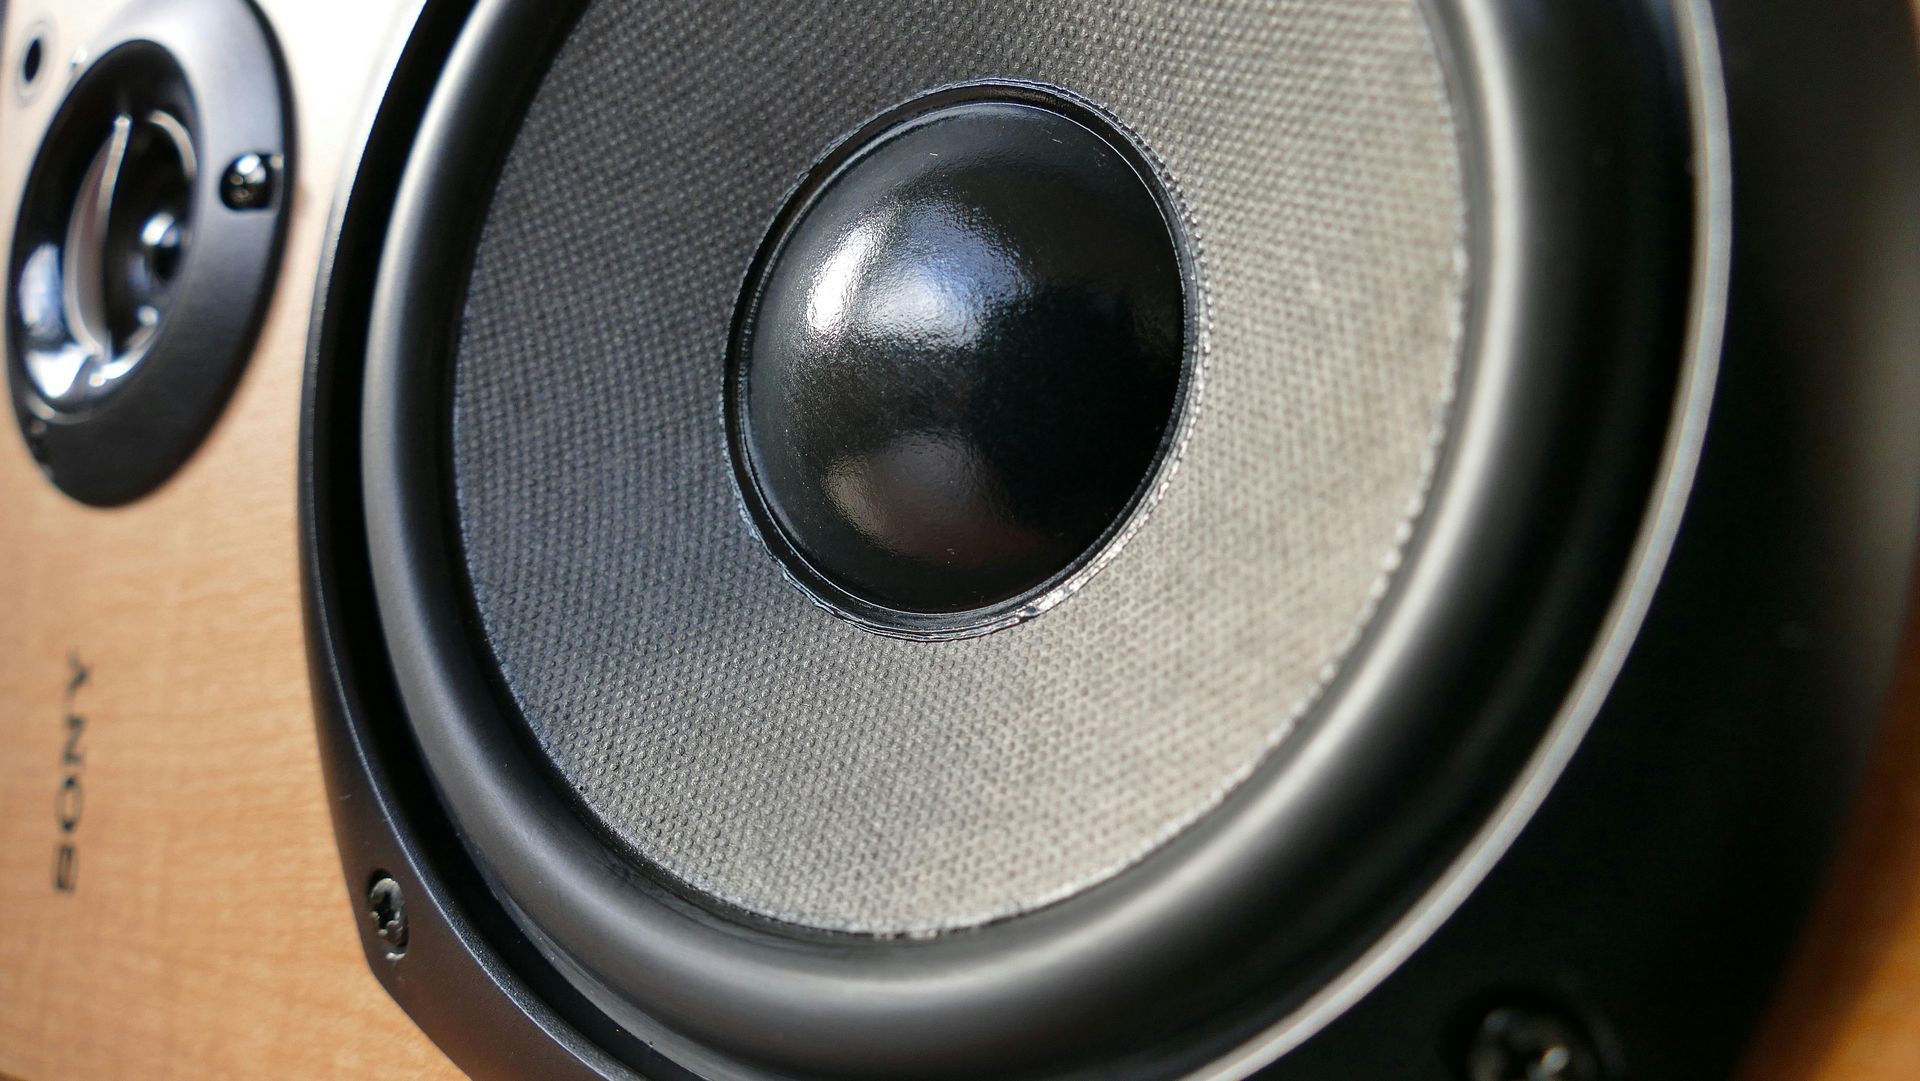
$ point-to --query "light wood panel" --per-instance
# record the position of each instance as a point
(209, 934)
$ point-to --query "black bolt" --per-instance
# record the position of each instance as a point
(389, 911)
(37, 439)
(1530, 1045)
(248, 182)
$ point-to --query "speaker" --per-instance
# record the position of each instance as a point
(1139, 539)
(1110, 540)
(146, 241)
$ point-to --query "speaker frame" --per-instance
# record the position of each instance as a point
(470, 976)
(1394, 765)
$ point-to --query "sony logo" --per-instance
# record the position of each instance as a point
(69, 801)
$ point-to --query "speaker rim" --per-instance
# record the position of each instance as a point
(470, 981)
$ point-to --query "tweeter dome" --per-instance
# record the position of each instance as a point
(1160, 539)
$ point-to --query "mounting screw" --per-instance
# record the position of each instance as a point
(37, 439)
(1529, 1045)
(389, 911)
(248, 182)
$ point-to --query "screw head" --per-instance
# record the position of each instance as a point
(248, 182)
(37, 439)
(388, 909)
(1514, 1044)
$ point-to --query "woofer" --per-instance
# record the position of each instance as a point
(1412, 582)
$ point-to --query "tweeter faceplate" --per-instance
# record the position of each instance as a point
(145, 245)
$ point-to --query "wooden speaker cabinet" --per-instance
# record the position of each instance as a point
(172, 903)
(171, 879)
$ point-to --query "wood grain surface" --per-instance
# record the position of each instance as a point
(208, 933)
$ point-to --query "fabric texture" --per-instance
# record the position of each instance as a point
(744, 741)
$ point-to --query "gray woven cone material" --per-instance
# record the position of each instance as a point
(748, 743)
